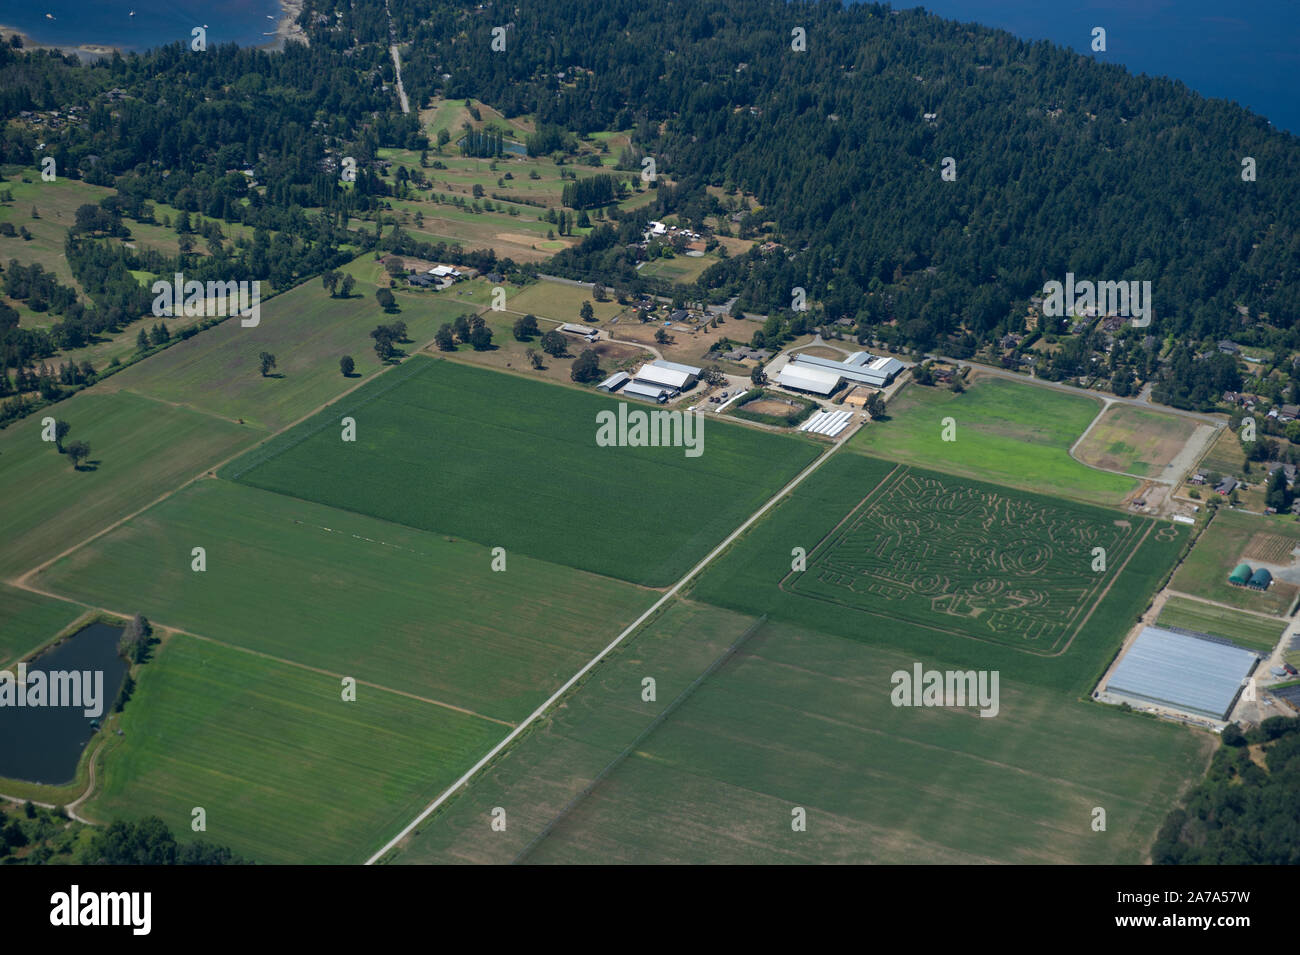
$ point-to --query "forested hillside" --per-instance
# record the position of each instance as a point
(1063, 164)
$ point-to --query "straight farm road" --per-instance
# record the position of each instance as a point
(631, 628)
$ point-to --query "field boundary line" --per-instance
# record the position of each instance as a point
(323, 672)
(631, 747)
(632, 627)
(1222, 606)
(21, 580)
(285, 661)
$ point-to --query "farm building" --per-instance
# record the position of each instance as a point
(859, 367)
(1182, 671)
(1240, 575)
(1260, 580)
(654, 373)
(581, 330)
(614, 381)
(638, 389)
(691, 370)
(800, 377)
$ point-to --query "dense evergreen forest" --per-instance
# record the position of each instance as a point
(1246, 811)
(1062, 164)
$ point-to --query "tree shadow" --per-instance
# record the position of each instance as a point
(87, 466)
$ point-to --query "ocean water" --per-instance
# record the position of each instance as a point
(1248, 52)
(156, 22)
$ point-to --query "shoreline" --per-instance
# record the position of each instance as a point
(286, 29)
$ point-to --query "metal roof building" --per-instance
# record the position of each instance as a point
(675, 366)
(1182, 672)
(875, 371)
(653, 374)
(614, 381)
(638, 389)
(819, 381)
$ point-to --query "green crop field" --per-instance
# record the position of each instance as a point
(286, 771)
(573, 743)
(139, 449)
(353, 595)
(1255, 633)
(801, 718)
(508, 462)
(1006, 432)
(307, 331)
(970, 559)
(1226, 542)
(747, 579)
(28, 620)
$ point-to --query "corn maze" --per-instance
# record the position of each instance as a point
(970, 559)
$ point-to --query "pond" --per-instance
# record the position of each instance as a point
(46, 722)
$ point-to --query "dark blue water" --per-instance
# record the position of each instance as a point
(156, 22)
(1247, 52)
(43, 744)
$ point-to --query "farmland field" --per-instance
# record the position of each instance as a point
(1249, 630)
(1224, 544)
(306, 330)
(803, 718)
(353, 595)
(471, 442)
(28, 620)
(1006, 432)
(747, 578)
(1135, 441)
(140, 449)
(285, 770)
(969, 559)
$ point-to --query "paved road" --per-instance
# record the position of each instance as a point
(555, 697)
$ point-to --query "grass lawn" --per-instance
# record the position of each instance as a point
(471, 442)
(307, 331)
(286, 771)
(140, 449)
(28, 620)
(353, 595)
(1006, 433)
(1255, 633)
(561, 303)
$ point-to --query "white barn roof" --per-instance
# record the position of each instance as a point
(667, 377)
(613, 382)
(640, 390)
(819, 381)
(674, 366)
(573, 329)
(876, 372)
